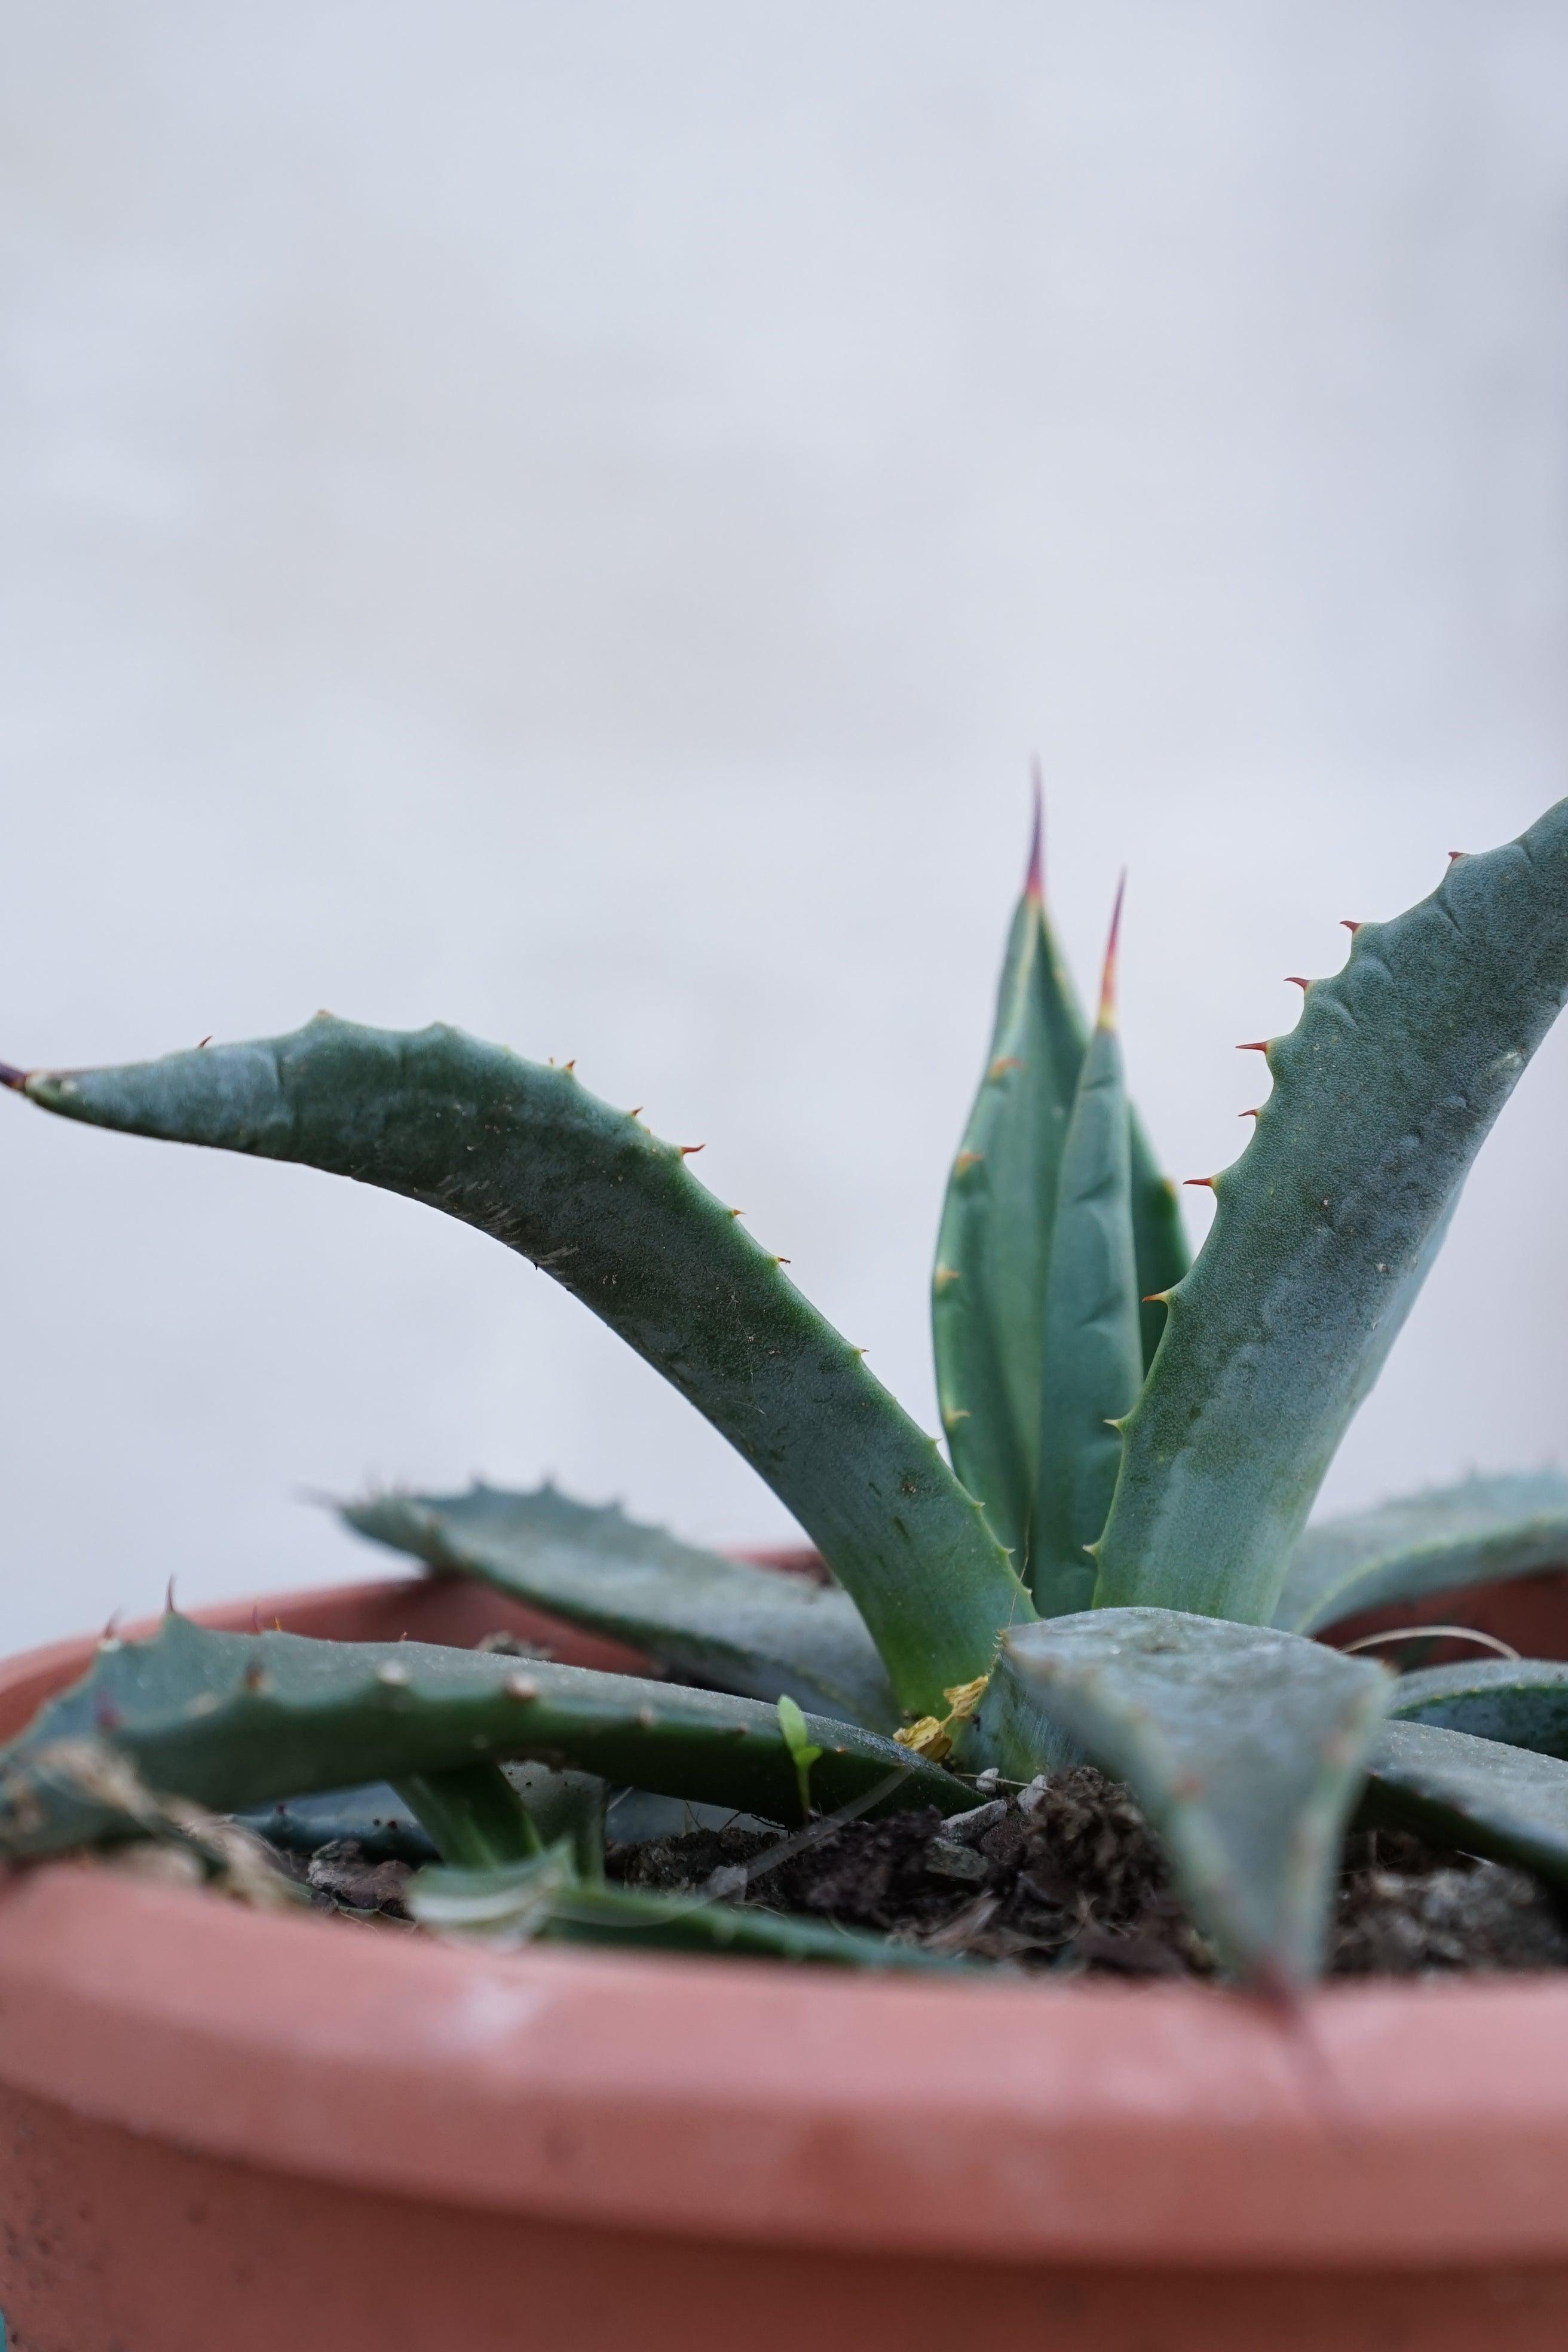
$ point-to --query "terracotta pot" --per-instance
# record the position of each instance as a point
(225, 2132)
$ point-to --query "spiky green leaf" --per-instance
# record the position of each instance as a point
(238, 1720)
(1324, 1229)
(1245, 1746)
(988, 1291)
(528, 1155)
(1456, 1790)
(993, 1259)
(1093, 1351)
(708, 1618)
(1159, 1238)
(1523, 1702)
(1474, 1532)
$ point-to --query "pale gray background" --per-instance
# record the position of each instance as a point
(573, 521)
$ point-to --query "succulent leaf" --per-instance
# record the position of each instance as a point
(1159, 1238)
(373, 1816)
(1246, 1747)
(1478, 1530)
(993, 1259)
(1522, 1702)
(1093, 1349)
(708, 1619)
(239, 1720)
(988, 1291)
(473, 1814)
(1456, 1790)
(1324, 1229)
(529, 1156)
(545, 1901)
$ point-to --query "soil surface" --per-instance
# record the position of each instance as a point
(1069, 1879)
(1078, 1883)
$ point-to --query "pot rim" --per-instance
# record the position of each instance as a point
(1423, 2124)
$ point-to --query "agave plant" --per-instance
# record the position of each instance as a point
(1114, 1564)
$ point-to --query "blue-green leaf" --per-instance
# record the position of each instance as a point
(1093, 1350)
(988, 1290)
(1324, 1229)
(238, 1720)
(1523, 1702)
(612, 1214)
(1245, 1746)
(1480, 1530)
(1456, 1790)
(708, 1618)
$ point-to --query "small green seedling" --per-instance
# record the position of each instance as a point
(803, 1755)
(1113, 1563)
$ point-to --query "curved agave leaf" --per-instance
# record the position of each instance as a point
(1245, 1746)
(708, 1619)
(238, 1720)
(604, 1208)
(1324, 1228)
(1093, 1351)
(1480, 1529)
(373, 1816)
(1456, 1790)
(1522, 1702)
(1159, 1238)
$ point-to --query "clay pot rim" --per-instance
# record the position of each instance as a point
(1151, 2124)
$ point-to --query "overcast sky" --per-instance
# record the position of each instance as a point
(573, 523)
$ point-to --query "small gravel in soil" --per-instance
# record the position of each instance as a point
(1079, 1885)
(1076, 1884)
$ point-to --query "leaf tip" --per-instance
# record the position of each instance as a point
(1035, 875)
(1108, 979)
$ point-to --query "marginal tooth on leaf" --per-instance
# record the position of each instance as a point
(1294, 979)
(783, 1261)
(1248, 1114)
(1158, 1297)
(687, 1150)
(1208, 1180)
(1454, 854)
(953, 1415)
(1346, 924)
(944, 1276)
(635, 1112)
(1255, 1045)
(169, 1598)
(966, 1160)
(1002, 1063)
